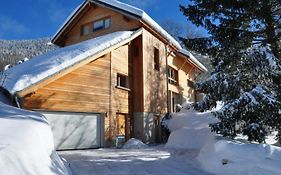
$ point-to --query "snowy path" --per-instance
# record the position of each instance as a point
(151, 161)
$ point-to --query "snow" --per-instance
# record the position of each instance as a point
(219, 155)
(250, 159)
(193, 127)
(26, 145)
(33, 71)
(10, 112)
(134, 144)
(153, 160)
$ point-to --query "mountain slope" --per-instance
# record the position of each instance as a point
(11, 51)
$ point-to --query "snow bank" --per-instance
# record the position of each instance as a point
(218, 155)
(26, 144)
(190, 130)
(189, 138)
(191, 119)
(240, 158)
(134, 144)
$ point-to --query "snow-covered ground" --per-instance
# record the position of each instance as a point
(27, 148)
(155, 160)
(219, 155)
(26, 144)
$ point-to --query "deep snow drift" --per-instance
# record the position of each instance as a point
(26, 144)
(218, 155)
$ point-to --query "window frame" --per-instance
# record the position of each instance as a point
(82, 29)
(173, 76)
(103, 24)
(91, 25)
(119, 84)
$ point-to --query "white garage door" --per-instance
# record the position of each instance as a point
(76, 130)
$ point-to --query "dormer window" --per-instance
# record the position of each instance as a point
(101, 24)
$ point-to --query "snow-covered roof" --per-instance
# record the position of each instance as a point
(41, 67)
(193, 59)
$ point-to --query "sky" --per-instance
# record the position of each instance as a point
(31, 19)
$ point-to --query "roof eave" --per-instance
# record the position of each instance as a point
(200, 66)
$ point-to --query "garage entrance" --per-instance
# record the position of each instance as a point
(76, 130)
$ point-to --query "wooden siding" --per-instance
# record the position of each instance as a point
(86, 89)
(136, 59)
(93, 13)
(185, 72)
(155, 84)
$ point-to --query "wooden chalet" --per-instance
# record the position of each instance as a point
(116, 73)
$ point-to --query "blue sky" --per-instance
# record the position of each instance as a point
(28, 19)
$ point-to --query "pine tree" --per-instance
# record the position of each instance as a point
(245, 46)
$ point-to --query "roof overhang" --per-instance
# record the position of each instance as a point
(188, 55)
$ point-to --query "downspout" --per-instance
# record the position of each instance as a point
(167, 80)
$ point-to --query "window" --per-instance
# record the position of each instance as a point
(101, 24)
(122, 81)
(107, 23)
(95, 26)
(156, 59)
(190, 84)
(85, 30)
(98, 25)
(172, 76)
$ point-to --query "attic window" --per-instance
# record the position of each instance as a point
(85, 29)
(101, 24)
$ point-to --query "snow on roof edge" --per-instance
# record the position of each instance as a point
(21, 77)
(193, 59)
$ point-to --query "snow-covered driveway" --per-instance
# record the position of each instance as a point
(149, 161)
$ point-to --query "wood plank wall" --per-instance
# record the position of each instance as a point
(86, 89)
(155, 86)
(185, 72)
(118, 23)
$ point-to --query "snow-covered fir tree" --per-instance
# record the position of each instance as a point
(13, 51)
(245, 47)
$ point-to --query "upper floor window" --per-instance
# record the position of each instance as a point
(156, 59)
(101, 24)
(190, 84)
(85, 29)
(122, 81)
(172, 76)
(95, 26)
